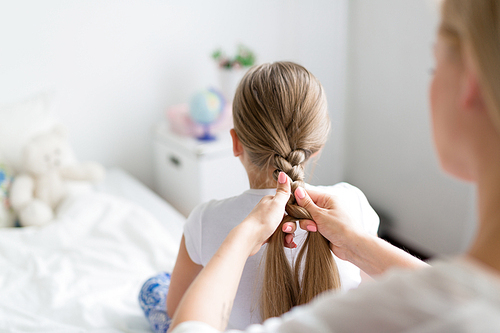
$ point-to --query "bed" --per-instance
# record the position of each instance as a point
(83, 272)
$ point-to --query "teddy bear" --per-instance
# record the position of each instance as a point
(49, 168)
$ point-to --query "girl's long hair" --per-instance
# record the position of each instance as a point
(281, 118)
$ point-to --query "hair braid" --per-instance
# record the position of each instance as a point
(318, 262)
(293, 166)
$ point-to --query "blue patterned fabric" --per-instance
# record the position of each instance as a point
(7, 216)
(152, 299)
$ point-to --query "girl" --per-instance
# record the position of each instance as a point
(280, 120)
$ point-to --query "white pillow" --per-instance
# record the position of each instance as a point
(21, 121)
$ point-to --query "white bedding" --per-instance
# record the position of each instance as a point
(83, 272)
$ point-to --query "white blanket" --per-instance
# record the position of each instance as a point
(83, 272)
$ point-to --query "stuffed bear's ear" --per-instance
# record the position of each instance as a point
(60, 130)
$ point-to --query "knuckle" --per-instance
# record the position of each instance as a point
(331, 201)
(304, 201)
(282, 191)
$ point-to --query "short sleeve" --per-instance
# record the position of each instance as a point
(369, 218)
(356, 203)
(192, 233)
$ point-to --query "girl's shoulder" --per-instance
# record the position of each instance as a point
(340, 189)
(232, 209)
(354, 201)
(209, 223)
(247, 198)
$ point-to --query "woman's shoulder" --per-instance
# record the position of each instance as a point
(447, 296)
(447, 283)
(450, 284)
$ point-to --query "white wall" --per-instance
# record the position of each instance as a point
(116, 65)
(389, 151)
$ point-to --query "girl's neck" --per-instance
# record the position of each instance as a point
(260, 180)
(486, 246)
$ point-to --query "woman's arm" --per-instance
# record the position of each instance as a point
(210, 297)
(370, 253)
(184, 273)
(375, 256)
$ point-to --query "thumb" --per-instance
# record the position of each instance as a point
(304, 200)
(283, 190)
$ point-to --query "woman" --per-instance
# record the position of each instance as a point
(461, 294)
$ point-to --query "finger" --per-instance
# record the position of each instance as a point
(314, 195)
(289, 243)
(283, 190)
(289, 227)
(308, 225)
(304, 200)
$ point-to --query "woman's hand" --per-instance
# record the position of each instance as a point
(334, 223)
(267, 215)
(349, 242)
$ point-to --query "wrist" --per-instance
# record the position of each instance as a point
(354, 245)
(246, 235)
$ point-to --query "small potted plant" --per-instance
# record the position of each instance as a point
(232, 69)
(244, 58)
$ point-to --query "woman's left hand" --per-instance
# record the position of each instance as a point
(267, 215)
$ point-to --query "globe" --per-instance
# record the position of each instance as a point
(205, 108)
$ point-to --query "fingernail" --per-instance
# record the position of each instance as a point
(287, 229)
(282, 178)
(312, 228)
(300, 193)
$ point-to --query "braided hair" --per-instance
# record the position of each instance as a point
(281, 118)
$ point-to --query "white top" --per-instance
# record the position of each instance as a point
(209, 224)
(450, 296)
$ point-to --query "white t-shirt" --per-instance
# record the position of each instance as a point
(209, 224)
(450, 296)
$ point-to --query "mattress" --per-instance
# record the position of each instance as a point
(83, 272)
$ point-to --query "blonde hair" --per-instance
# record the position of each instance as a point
(281, 118)
(475, 24)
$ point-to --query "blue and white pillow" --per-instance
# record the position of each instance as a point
(152, 300)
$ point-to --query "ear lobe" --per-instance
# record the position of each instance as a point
(237, 146)
(472, 97)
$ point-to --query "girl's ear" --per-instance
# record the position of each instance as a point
(237, 146)
(318, 153)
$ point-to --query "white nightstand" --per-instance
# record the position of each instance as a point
(188, 172)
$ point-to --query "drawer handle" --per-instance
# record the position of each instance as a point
(174, 160)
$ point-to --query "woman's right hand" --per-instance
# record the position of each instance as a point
(348, 241)
(330, 219)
